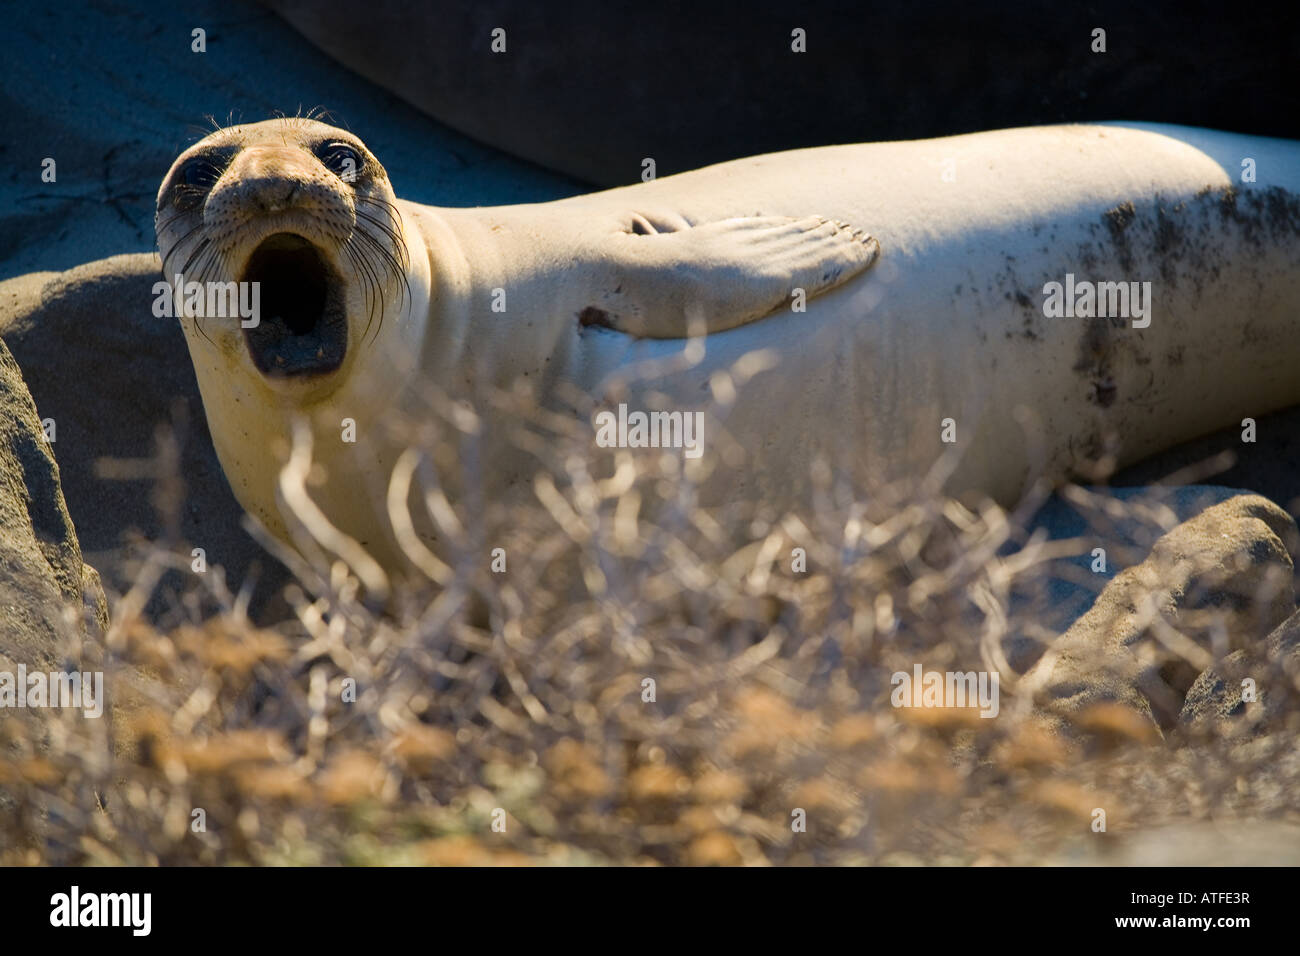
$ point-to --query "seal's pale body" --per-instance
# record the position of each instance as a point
(939, 331)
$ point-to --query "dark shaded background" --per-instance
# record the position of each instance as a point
(590, 88)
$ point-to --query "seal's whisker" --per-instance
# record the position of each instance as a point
(206, 267)
(207, 258)
(160, 223)
(195, 253)
(176, 247)
(368, 270)
(377, 266)
(387, 205)
(368, 235)
(395, 252)
(391, 262)
(394, 255)
(395, 220)
(391, 229)
(384, 261)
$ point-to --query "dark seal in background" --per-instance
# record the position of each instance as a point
(592, 88)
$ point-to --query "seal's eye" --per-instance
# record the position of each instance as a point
(340, 159)
(190, 185)
(200, 172)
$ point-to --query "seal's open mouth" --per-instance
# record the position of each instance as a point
(303, 327)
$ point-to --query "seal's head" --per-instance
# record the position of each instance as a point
(305, 211)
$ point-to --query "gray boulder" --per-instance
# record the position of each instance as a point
(1250, 689)
(1213, 585)
(49, 598)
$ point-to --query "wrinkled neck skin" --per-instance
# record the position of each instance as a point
(499, 317)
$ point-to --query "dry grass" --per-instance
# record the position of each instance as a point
(517, 701)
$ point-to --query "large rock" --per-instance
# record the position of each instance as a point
(1213, 585)
(1125, 523)
(49, 598)
(1251, 689)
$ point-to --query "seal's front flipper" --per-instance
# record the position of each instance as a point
(725, 273)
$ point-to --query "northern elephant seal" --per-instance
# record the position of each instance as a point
(954, 252)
